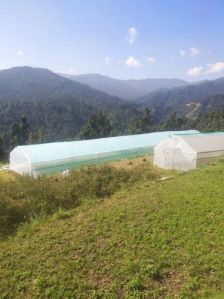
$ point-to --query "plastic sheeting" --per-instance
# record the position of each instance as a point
(186, 152)
(59, 156)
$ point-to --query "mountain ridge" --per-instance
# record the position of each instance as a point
(58, 105)
(184, 99)
(63, 106)
(126, 89)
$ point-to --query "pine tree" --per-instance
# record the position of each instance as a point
(143, 123)
(20, 132)
(25, 128)
(2, 153)
(98, 126)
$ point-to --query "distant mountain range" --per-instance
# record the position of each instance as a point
(187, 100)
(57, 105)
(163, 96)
(125, 89)
(61, 106)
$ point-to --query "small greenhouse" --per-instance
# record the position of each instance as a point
(59, 156)
(186, 152)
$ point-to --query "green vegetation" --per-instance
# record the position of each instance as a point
(20, 132)
(24, 198)
(98, 126)
(56, 108)
(59, 109)
(142, 124)
(204, 122)
(136, 238)
(45, 107)
(1, 150)
(211, 121)
(208, 95)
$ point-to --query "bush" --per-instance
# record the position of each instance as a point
(25, 198)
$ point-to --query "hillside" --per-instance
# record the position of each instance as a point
(111, 86)
(55, 104)
(186, 99)
(150, 85)
(125, 89)
(154, 239)
(57, 108)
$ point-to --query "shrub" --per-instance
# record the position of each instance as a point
(25, 198)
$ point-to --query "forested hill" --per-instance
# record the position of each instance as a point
(191, 99)
(37, 84)
(56, 105)
(126, 89)
(111, 86)
(59, 109)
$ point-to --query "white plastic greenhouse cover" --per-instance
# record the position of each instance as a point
(175, 153)
(58, 156)
(186, 152)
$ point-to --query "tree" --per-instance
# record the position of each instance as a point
(143, 123)
(20, 132)
(15, 135)
(25, 129)
(2, 153)
(171, 123)
(98, 126)
(37, 136)
(176, 123)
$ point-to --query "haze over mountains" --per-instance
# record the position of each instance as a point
(163, 96)
(125, 89)
(61, 106)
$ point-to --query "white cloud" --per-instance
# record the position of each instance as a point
(195, 71)
(212, 68)
(133, 62)
(151, 59)
(20, 53)
(182, 53)
(217, 67)
(194, 51)
(132, 35)
(109, 60)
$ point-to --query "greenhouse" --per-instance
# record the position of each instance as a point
(186, 152)
(59, 156)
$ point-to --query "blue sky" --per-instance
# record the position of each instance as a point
(120, 38)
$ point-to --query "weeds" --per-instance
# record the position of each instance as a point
(153, 239)
(25, 198)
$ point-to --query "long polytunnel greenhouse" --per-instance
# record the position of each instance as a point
(54, 157)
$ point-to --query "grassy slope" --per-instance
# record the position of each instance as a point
(155, 240)
(6, 175)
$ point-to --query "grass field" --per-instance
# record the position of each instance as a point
(150, 239)
(6, 176)
(131, 163)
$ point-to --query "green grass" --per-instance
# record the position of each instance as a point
(149, 239)
(6, 176)
(24, 198)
